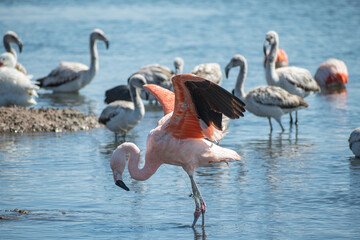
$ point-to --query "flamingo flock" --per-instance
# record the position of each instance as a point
(197, 110)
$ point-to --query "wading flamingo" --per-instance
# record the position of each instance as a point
(264, 101)
(209, 71)
(72, 76)
(332, 75)
(354, 142)
(179, 136)
(281, 59)
(12, 37)
(15, 87)
(295, 80)
(122, 116)
(154, 74)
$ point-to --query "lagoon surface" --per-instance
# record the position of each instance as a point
(303, 183)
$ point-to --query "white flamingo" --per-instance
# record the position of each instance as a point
(154, 74)
(72, 76)
(332, 74)
(354, 142)
(12, 37)
(264, 101)
(122, 116)
(209, 71)
(295, 80)
(15, 87)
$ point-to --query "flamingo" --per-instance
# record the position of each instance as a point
(122, 116)
(210, 71)
(332, 74)
(264, 101)
(354, 142)
(281, 59)
(15, 87)
(295, 80)
(154, 74)
(12, 37)
(72, 76)
(179, 136)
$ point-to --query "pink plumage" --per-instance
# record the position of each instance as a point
(332, 73)
(179, 137)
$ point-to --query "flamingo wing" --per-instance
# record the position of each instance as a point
(199, 105)
(164, 96)
(276, 96)
(299, 77)
(65, 72)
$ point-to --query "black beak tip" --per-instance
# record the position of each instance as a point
(121, 184)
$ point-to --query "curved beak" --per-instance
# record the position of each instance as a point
(20, 45)
(121, 184)
(266, 44)
(107, 43)
(227, 69)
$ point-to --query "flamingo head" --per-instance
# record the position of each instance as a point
(236, 61)
(7, 60)
(98, 34)
(117, 164)
(12, 37)
(271, 39)
(178, 64)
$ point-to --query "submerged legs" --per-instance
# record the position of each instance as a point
(270, 124)
(200, 206)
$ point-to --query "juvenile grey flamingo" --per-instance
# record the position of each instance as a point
(72, 76)
(264, 101)
(295, 80)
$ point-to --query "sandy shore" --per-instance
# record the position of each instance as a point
(22, 120)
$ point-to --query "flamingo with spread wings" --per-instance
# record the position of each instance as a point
(179, 138)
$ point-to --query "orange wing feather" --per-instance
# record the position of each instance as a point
(163, 95)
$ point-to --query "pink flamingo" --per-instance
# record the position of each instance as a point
(281, 58)
(332, 74)
(179, 138)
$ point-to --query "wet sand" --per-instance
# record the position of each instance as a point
(25, 120)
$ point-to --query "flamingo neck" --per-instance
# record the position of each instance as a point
(239, 87)
(271, 76)
(9, 49)
(138, 103)
(136, 173)
(94, 63)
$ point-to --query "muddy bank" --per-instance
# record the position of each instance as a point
(25, 120)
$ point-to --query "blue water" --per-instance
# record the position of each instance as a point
(300, 184)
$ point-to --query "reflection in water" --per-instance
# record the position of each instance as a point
(198, 235)
(338, 99)
(68, 100)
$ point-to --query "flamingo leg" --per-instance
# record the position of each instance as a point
(270, 124)
(200, 206)
(116, 137)
(279, 121)
(291, 119)
(296, 118)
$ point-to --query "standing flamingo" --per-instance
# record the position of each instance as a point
(281, 59)
(264, 101)
(72, 76)
(332, 75)
(12, 37)
(122, 116)
(154, 74)
(295, 80)
(179, 136)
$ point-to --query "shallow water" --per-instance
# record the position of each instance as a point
(300, 184)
